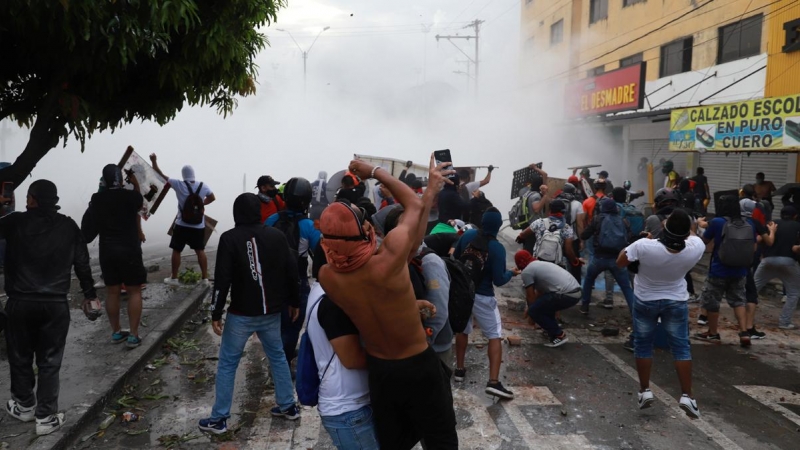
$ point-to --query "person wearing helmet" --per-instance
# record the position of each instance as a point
(631, 196)
(304, 239)
(666, 201)
(672, 179)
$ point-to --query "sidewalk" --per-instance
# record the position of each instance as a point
(94, 370)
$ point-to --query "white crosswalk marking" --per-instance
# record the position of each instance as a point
(772, 396)
(660, 394)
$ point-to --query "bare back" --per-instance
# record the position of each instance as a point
(380, 301)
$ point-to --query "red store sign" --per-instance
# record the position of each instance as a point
(615, 91)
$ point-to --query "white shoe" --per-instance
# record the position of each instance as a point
(172, 281)
(791, 326)
(49, 424)
(646, 399)
(20, 412)
(205, 282)
(100, 284)
(689, 406)
(783, 299)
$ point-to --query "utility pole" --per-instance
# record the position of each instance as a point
(470, 78)
(476, 25)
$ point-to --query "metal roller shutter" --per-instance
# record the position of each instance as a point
(722, 172)
(737, 169)
(775, 167)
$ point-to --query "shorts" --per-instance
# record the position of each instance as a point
(732, 288)
(487, 314)
(674, 315)
(122, 267)
(412, 400)
(182, 236)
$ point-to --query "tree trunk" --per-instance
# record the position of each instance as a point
(44, 136)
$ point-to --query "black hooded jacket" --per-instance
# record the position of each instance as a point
(42, 248)
(254, 263)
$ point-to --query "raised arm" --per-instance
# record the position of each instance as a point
(488, 177)
(154, 161)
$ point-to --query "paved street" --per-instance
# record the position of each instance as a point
(582, 395)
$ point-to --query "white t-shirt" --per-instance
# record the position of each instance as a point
(472, 186)
(341, 390)
(576, 208)
(661, 272)
(183, 193)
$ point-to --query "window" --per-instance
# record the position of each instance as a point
(630, 60)
(631, 2)
(740, 40)
(676, 57)
(557, 32)
(598, 10)
(596, 71)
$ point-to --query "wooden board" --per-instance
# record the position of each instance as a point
(152, 186)
(588, 166)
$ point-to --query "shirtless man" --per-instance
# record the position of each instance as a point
(409, 385)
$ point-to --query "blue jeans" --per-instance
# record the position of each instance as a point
(600, 263)
(543, 311)
(352, 430)
(236, 332)
(674, 316)
(290, 331)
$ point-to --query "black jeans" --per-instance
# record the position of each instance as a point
(543, 310)
(40, 328)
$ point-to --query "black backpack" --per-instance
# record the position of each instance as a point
(461, 297)
(736, 248)
(290, 227)
(474, 258)
(193, 208)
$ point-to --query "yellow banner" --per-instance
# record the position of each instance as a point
(768, 124)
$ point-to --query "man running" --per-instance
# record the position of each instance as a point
(409, 385)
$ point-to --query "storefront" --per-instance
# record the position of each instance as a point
(734, 141)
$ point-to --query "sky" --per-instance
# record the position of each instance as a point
(376, 84)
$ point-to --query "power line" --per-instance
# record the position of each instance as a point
(462, 12)
(580, 66)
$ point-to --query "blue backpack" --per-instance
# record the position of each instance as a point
(633, 216)
(613, 235)
(307, 380)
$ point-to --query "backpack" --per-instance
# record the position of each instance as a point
(290, 227)
(193, 208)
(518, 216)
(461, 297)
(474, 258)
(567, 199)
(736, 248)
(613, 235)
(307, 379)
(634, 217)
(550, 246)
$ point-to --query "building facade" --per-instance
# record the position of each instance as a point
(691, 53)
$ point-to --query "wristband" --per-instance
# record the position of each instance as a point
(372, 174)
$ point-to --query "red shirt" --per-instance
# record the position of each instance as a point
(268, 209)
(589, 204)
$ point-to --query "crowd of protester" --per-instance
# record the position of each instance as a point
(388, 281)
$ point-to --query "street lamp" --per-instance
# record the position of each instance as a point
(305, 52)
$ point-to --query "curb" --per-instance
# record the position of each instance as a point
(113, 384)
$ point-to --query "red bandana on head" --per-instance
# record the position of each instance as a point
(347, 245)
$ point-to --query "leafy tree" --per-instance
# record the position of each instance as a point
(74, 67)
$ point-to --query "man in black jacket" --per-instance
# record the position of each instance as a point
(43, 247)
(256, 264)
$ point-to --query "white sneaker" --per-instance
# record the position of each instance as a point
(100, 284)
(172, 281)
(20, 412)
(783, 299)
(646, 399)
(205, 282)
(49, 424)
(791, 326)
(689, 406)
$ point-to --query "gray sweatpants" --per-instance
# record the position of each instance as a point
(788, 271)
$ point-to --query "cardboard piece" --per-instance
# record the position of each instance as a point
(211, 227)
(152, 186)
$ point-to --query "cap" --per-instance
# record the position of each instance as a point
(266, 179)
(602, 174)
